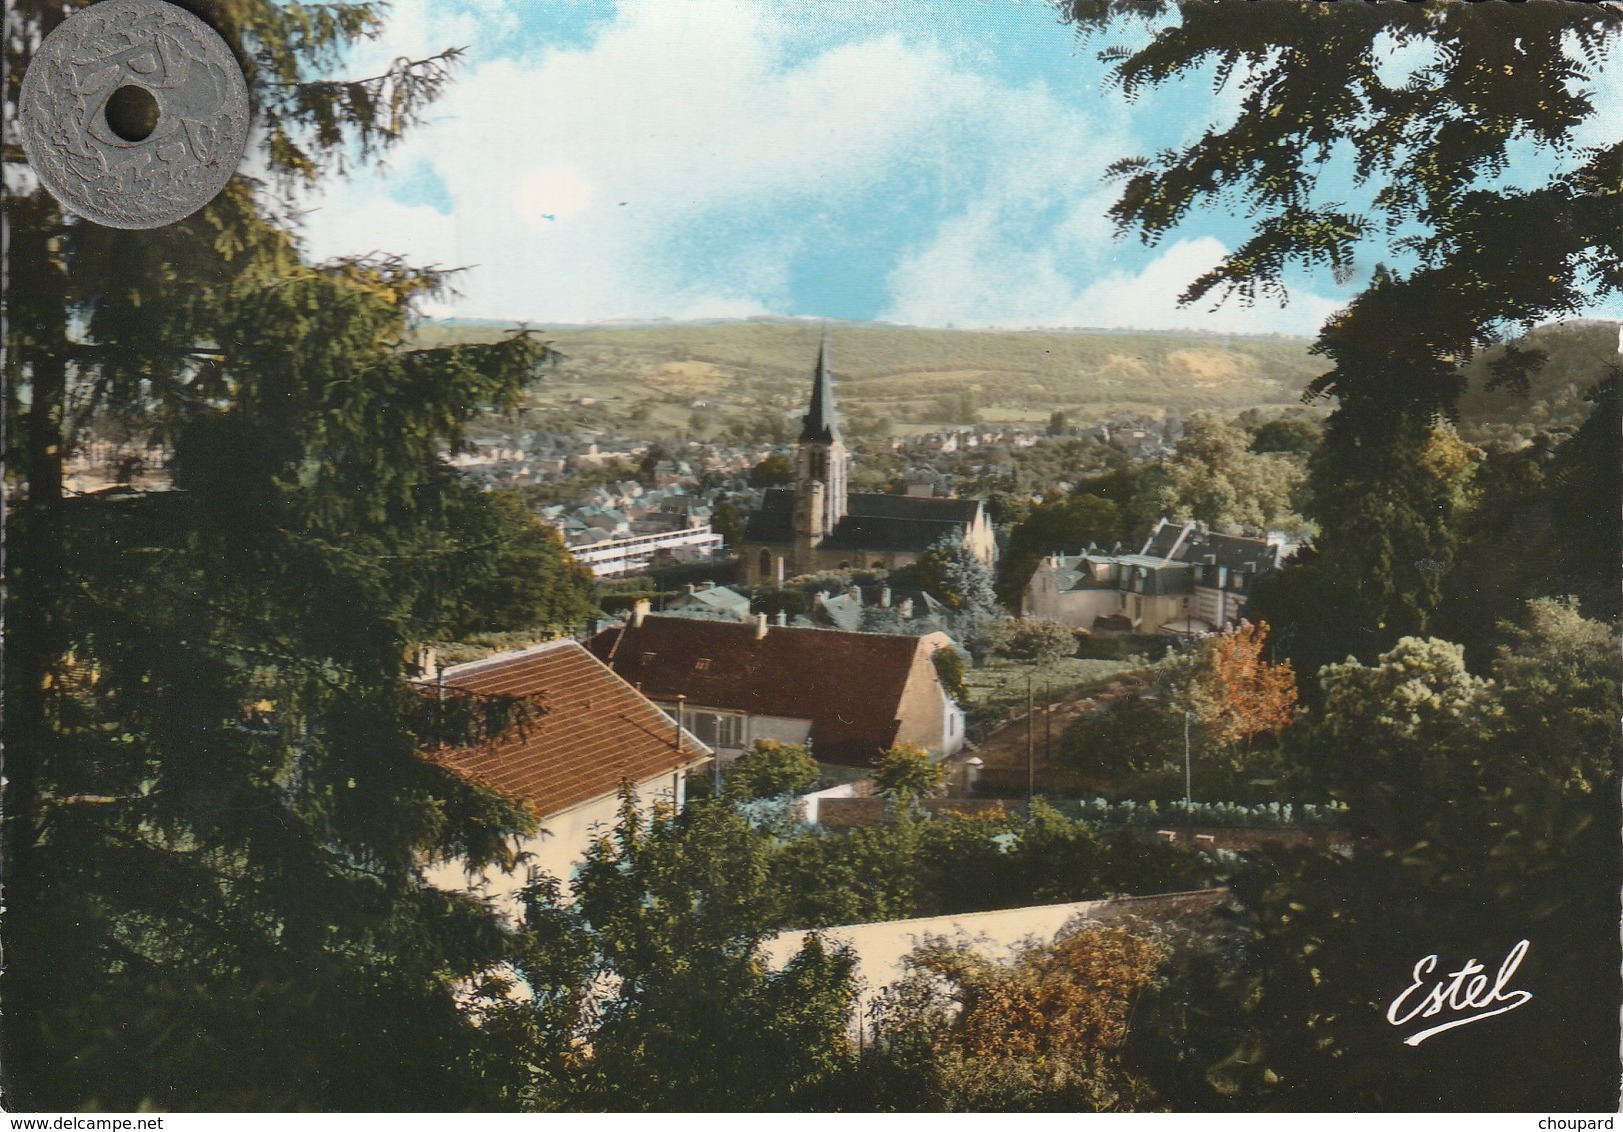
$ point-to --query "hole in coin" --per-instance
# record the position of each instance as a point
(132, 113)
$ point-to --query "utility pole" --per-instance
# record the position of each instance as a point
(1031, 749)
(1048, 719)
(1188, 777)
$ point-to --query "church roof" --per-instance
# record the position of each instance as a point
(820, 424)
(872, 521)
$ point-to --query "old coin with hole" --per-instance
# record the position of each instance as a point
(134, 113)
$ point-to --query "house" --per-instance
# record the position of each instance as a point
(609, 557)
(710, 600)
(589, 735)
(1183, 581)
(819, 525)
(850, 695)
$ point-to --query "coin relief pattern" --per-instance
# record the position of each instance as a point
(196, 138)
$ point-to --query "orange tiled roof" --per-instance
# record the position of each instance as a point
(592, 732)
(849, 685)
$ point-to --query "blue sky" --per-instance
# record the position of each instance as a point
(930, 162)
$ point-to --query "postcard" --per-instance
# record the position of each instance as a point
(601, 556)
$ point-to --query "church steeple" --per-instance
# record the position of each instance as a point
(820, 425)
(820, 458)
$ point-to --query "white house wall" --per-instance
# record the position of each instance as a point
(556, 848)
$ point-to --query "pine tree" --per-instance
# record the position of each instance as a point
(215, 808)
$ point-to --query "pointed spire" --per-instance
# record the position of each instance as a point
(820, 425)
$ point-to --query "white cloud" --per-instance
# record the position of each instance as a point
(570, 178)
(681, 163)
(969, 270)
(1147, 299)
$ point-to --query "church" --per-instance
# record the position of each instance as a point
(819, 525)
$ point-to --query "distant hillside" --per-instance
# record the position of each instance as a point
(914, 379)
(661, 379)
(1579, 355)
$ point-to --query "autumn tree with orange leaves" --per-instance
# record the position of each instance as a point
(1235, 693)
(1041, 1032)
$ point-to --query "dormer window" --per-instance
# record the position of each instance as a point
(701, 664)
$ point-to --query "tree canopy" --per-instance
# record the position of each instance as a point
(1324, 109)
(216, 808)
(1486, 211)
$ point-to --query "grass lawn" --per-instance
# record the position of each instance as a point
(999, 689)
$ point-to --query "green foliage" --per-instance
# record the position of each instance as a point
(1497, 823)
(1214, 477)
(1039, 643)
(678, 906)
(1413, 717)
(1490, 830)
(1132, 737)
(314, 540)
(1311, 81)
(949, 668)
(1557, 675)
(1544, 528)
(727, 523)
(1390, 498)
(769, 770)
(952, 574)
(1063, 523)
(772, 472)
(216, 809)
(907, 771)
(951, 864)
(1294, 436)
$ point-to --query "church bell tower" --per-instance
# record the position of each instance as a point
(820, 459)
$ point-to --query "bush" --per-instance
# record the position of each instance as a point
(769, 770)
(949, 666)
(1040, 642)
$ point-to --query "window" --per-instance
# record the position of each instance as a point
(729, 731)
(701, 664)
(715, 729)
(766, 564)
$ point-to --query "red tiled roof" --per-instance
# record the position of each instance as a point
(848, 684)
(592, 733)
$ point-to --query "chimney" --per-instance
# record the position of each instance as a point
(781, 619)
(760, 626)
(884, 597)
(639, 611)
